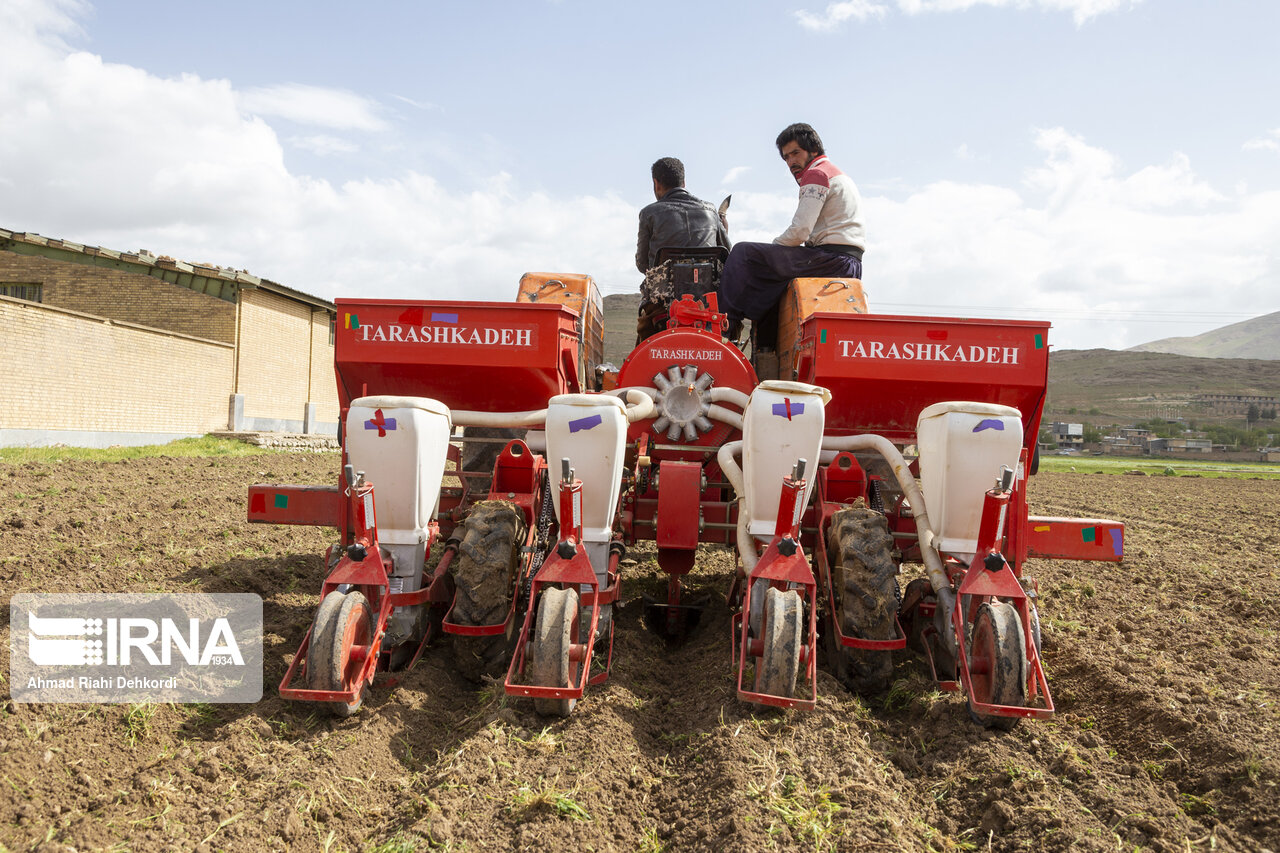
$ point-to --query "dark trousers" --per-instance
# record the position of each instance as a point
(756, 275)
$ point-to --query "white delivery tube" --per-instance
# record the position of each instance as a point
(928, 551)
(639, 407)
(733, 472)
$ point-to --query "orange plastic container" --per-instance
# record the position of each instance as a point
(805, 297)
(578, 293)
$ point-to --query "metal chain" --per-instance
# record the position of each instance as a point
(542, 541)
(877, 500)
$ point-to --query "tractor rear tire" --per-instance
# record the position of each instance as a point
(484, 575)
(343, 622)
(865, 577)
(557, 630)
(779, 667)
(998, 662)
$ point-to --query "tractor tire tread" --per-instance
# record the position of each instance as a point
(484, 579)
(865, 577)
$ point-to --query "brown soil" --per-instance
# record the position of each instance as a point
(1164, 670)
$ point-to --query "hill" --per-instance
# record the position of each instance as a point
(620, 310)
(1257, 338)
(1124, 387)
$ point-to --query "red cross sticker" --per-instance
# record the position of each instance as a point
(380, 423)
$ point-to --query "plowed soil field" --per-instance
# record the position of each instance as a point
(1164, 669)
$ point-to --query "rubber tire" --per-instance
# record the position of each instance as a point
(779, 667)
(865, 577)
(556, 630)
(343, 620)
(998, 638)
(484, 578)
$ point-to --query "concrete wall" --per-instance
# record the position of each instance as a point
(130, 297)
(71, 378)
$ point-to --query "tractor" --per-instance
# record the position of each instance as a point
(495, 471)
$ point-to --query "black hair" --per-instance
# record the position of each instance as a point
(804, 136)
(669, 172)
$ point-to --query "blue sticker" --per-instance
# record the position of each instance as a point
(989, 423)
(787, 408)
(443, 318)
(585, 423)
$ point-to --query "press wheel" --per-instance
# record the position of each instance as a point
(998, 662)
(557, 632)
(341, 637)
(779, 666)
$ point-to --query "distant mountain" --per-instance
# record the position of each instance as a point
(1256, 338)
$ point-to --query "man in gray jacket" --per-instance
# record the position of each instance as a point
(677, 220)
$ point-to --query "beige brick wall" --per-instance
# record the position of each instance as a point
(63, 370)
(132, 297)
(280, 362)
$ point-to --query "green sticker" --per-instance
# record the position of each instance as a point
(282, 501)
(1039, 341)
(1089, 534)
(822, 338)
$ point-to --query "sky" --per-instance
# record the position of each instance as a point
(1111, 166)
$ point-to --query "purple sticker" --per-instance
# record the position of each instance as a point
(443, 318)
(989, 423)
(381, 424)
(787, 408)
(585, 423)
(1117, 541)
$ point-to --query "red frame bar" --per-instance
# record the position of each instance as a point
(271, 503)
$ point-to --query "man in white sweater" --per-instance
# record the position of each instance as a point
(825, 239)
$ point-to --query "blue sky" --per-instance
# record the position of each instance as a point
(1108, 165)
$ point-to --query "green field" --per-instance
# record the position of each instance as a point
(204, 446)
(1161, 467)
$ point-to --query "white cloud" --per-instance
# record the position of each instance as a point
(421, 105)
(1081, 239)
(734, 174)
(108, 154)
(324, 145)
(836, 14)
(313, 105)
(1270, 142)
